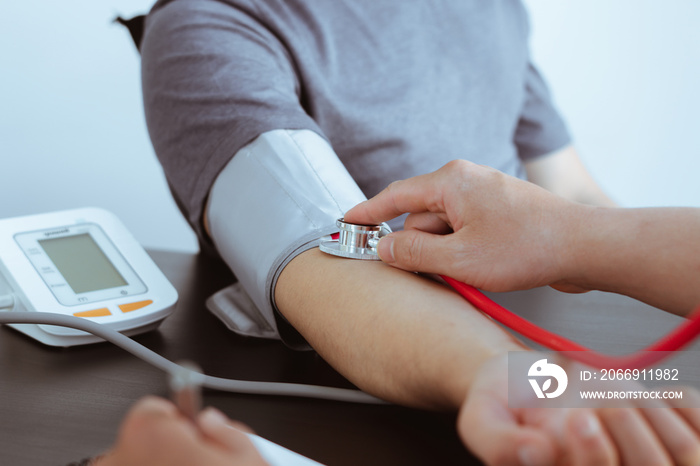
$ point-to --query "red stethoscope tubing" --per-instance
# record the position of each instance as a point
(674, 341)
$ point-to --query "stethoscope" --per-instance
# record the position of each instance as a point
(360, 242)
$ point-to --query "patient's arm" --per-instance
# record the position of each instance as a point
(410, 340)
(564, 174)
(395, 334)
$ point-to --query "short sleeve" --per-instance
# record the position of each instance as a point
(540, 129)
(214, 78)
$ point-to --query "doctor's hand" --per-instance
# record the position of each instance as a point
(155, 433)
(629, 432)
(479, 226)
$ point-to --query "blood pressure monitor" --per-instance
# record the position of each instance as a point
(82, 263)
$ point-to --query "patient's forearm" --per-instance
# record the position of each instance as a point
(564, 174)
(394, 334)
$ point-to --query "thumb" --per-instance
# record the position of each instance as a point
(418, 251)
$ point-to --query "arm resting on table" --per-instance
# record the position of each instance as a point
(395, 334)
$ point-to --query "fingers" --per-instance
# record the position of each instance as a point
(419, 194)
(678, 437)
(664, 438)
(687, 408)
(152, 424)
(588, 442)
(240, 426)
(154, 432)
(636, 441)
(136, 434)
(230, 436)
(150, 412)
(427, 222)
(218, 428)
(151, 406)
(493, 434)
(415, 250)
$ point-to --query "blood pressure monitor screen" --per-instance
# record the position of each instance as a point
(82, 263)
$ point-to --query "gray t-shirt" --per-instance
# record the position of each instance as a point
(398, 88)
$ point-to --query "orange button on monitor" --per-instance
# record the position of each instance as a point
(134, 306)
(94, 313)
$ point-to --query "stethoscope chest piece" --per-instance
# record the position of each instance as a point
(355, 241)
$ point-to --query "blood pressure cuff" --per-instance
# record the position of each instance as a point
(274, 200)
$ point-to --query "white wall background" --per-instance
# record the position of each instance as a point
(72, 130)
(625, 73)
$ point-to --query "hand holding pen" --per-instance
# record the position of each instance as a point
(156, 431)
(186, 389)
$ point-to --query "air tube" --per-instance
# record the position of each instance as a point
(208, 381)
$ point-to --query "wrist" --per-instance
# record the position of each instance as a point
(598, 242)
(580, 247)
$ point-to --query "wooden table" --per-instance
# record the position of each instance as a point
(59, 405)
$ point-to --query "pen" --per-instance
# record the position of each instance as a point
(186, 389)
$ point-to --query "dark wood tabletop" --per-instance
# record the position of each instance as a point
(60, 405)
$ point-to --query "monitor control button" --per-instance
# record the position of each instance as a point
(135, 306)
(102, 312)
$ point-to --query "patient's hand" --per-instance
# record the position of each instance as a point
(630, 435)
(155, 433)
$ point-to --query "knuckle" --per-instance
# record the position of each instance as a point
(393, 191)
(393, 186)
(462, 168)
(411, 251)
(456, 164)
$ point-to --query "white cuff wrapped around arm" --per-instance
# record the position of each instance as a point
(274, 200)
